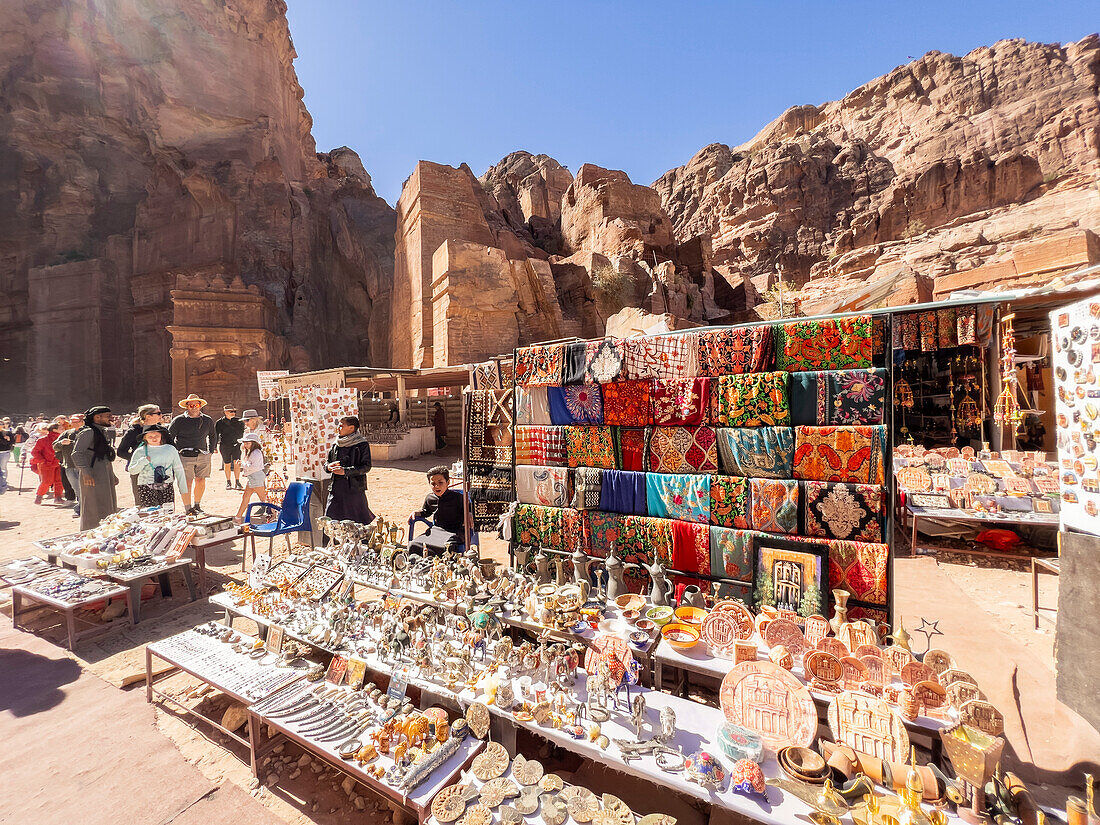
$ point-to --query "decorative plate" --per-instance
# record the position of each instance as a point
(917, 672)
(825, 667)
(786, 716)
(980, 714)
(617, 810)
(581, 803)
(746, 624)
(450, 803)
(869, 725)
(787, 633)
(959, 693)
(833, 645)
(551, 783)
(553, 809)
(938, 660)
(721, 630)
(876, 669)
(491, 762)
(817, 628)
(867, 650)
(855, 672)
(931, 695)
(914, 479)
(952, 675)
(497, 790)
(526, 771)
(896, 658)
(477, 717)
(477, 814)
(854, 634)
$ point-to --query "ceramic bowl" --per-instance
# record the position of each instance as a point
(645, 625)
(690, 615)
(639, 638)
(681, 636)
(631, 616)
(660, 616)
(630, 601)
(616, 627)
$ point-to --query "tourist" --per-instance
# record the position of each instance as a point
(6, 445)
(64, 449)
(439, 420)
(18, 437)
(156, 466)
(48, 467)
(228, 432)
(255, 476)
(92, 457)
(147, 415)
(446, 508)
(193, 431)
(62, 422)
(253, 423)
(349, 462)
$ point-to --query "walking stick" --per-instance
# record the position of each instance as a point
(22, 467)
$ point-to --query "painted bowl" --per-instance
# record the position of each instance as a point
(660, 616)
(630, 601)
(690, 615)
(631, 616)
(645, 625)
(639, 638)
(681, 636)
(616, 627)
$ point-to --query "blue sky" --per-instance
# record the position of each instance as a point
(637, 86)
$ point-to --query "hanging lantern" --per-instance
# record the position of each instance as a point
(1007, 410)
(968, 415)
(903, 394)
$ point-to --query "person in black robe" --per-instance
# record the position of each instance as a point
(349, 461)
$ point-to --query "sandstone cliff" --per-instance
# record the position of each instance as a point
(937, 167)
(143, 142)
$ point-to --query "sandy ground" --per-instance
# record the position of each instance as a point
(974, 600)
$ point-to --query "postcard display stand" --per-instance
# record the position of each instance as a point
(749, 462)
(1076, 333)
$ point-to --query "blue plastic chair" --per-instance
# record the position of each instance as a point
(293, 517)
(475, 540)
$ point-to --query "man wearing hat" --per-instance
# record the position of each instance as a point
(193, 432)
(92, 457)
(227, 434)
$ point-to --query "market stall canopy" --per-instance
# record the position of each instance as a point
(379, 379)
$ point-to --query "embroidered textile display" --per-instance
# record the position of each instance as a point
(681, 401)
(628, 403)
(734, 351)
(630, 448)
(532, 406)
(576, 360)
(577, 404)
(539, 526)
(314, 412)
(541, 445)
(490, 495)
(729, 501)
(601, 530)
(731, 553)
(860, 568)
(774, 505)
(604, 360)
(761, 452)
(586, 488)
(834, 510)
(928, 336)
(838, 397)
(548, 486)
(831, 344)
(684, 497)
(643, 540)
(910, 330)
(590, 447)
(757, 399)
(683, 450)
(966, 322)
(489, 427)
(486, 376)
(691, 547)
(855, 454)
(540, 365)
(623, 492)
(661, 356)
(946, 328)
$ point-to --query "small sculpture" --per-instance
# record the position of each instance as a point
(637, 714)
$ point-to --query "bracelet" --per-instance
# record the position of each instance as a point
(670, 761)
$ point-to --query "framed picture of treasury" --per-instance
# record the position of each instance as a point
(792, 575)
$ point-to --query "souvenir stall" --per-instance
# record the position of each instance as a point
(487, 440)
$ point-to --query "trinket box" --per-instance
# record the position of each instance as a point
(737, 742)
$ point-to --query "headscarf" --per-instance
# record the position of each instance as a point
(351, 439)
(101, 449)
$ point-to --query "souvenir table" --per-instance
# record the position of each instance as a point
(233, 611)
(135, 577)
(214, 663)
(969, 516)
(78, 592)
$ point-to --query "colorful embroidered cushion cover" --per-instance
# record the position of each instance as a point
(729, 501)
(541, 445)
(678, 496)
(835, 510)
(760, 452)
(825, 345)
(855, 454)
(734, 351)
(586, 488)
(661, 356)
(860, 568)
(774, 505)
(532, 406)
(540, 365)
(628, 403)
(681, 401)
(548, 486)
(756, 399)
(630, 448)
(590, 447)
(683, 450)
(623, 492)
(576, 404)
(838, 397)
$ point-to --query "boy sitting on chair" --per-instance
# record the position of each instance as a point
(447, 506)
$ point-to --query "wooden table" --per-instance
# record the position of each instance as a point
(19, 593)
(968, 516)
(1049, 565)
(134, 580)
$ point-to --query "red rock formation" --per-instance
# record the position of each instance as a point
(160, 140)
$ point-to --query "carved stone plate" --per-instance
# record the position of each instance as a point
(824, 667)
(741, 615)
(980, 714)
(491, 762)
(896, 657)
(551, 783)
(854, 634)
(553, 809)
(931, 695)
(868, 725)
(720, 631)
(497, 790)
(855, 672)
(833, 645)
(959, 693)
(867, 650)
(914, 479)
(477, 814)
(526, 771)
(581, 803)
(876, 669)
(939, 661)
(952, 675)
(477, 717)
(917, 672)
(787, 633)
(657, 819)
(617, 810)
(817, 628)
(528, 800)
(449, 804)
(771, 702)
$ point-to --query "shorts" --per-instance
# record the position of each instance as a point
(230, 454)
(256, 479)
(196, 466)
